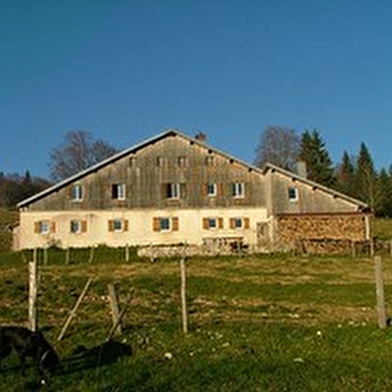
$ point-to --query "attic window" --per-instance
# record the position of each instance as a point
(118, 191)
(293, 194)
(182, 161)
(210, 160)
(77, 193)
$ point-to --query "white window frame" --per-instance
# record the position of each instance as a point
(77, 193)
(292, 193)
(238, 190)
(118, 225)
(165, 227)
(173, 191)
(75, 226)
(238, 223)
(211, 189)
(44, 227)
(119, 191)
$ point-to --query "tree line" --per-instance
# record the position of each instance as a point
(353, 175)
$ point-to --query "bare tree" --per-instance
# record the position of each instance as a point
(77, 152)
(278, 145)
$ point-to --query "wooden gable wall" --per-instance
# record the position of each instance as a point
(147, 172)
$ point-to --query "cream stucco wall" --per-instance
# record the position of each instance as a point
(140, 227)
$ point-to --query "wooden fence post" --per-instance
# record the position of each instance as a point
(114, 308)
(67, 256)
(126, 252)
(91, 258)
(33, 290)
(120, 317)
(183, 296)
(382, 319)
(75, 308)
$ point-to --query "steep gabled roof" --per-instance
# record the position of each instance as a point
(169, 133)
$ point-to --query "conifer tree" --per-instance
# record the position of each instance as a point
(345, 176)
(318, 162)
(383, 194)
(366, 177)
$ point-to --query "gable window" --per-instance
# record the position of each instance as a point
(118, 191)
(118, 225)
(293, 194)
(77, 193)
(173, 191)
(78, 226)
(238, 189)
(165, 224)
(211, 189)
(182, 161)
(210, 160)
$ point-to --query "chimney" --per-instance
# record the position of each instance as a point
(301, 169)
(201, 137)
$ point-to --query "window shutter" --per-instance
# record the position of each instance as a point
(53, 227)
(246, 223)
(220, 189)
(156, 224)
(232, 223)
(175, 224)
(126, 225)
(205, 189)
(205, 223)
(220, 223)
(110, 225)
(36, 227)
(84, 226)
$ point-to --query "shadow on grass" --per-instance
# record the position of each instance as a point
(104, 354)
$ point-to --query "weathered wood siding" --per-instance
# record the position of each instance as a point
(146, 171)
(311, 199)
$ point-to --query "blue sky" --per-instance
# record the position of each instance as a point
(127, 70)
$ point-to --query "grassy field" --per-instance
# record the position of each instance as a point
(257, 323)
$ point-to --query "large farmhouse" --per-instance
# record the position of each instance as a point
(174, 189)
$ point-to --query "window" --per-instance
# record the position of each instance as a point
(44, 227)
(210, 160)
(173, 191)
(78, 226)
(211, 189)
(212, 223)
(239, 223)
(293, 194)
(165, 224)
(77, 193)
(118, 191)
(182, 161)
(118, 225)
(160, 161)
(238, 189)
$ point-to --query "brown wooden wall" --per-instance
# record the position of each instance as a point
(146, 173)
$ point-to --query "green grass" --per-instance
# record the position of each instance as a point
(256, 323)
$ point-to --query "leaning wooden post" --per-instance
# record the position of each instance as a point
(33, 290)
(75, 308)
(114, 308)
(183, 296)
(382, 319)
(90, 260)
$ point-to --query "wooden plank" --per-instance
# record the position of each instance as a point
(381, 313)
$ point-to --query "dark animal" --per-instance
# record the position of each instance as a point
(28, 344)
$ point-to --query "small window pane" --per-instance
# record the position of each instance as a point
(164, 224)
(76, 226)
(212, 224)
(44, 227)
(293, 194)
(77, 193)
(238, 189)
(211, 189)
(117, 225)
